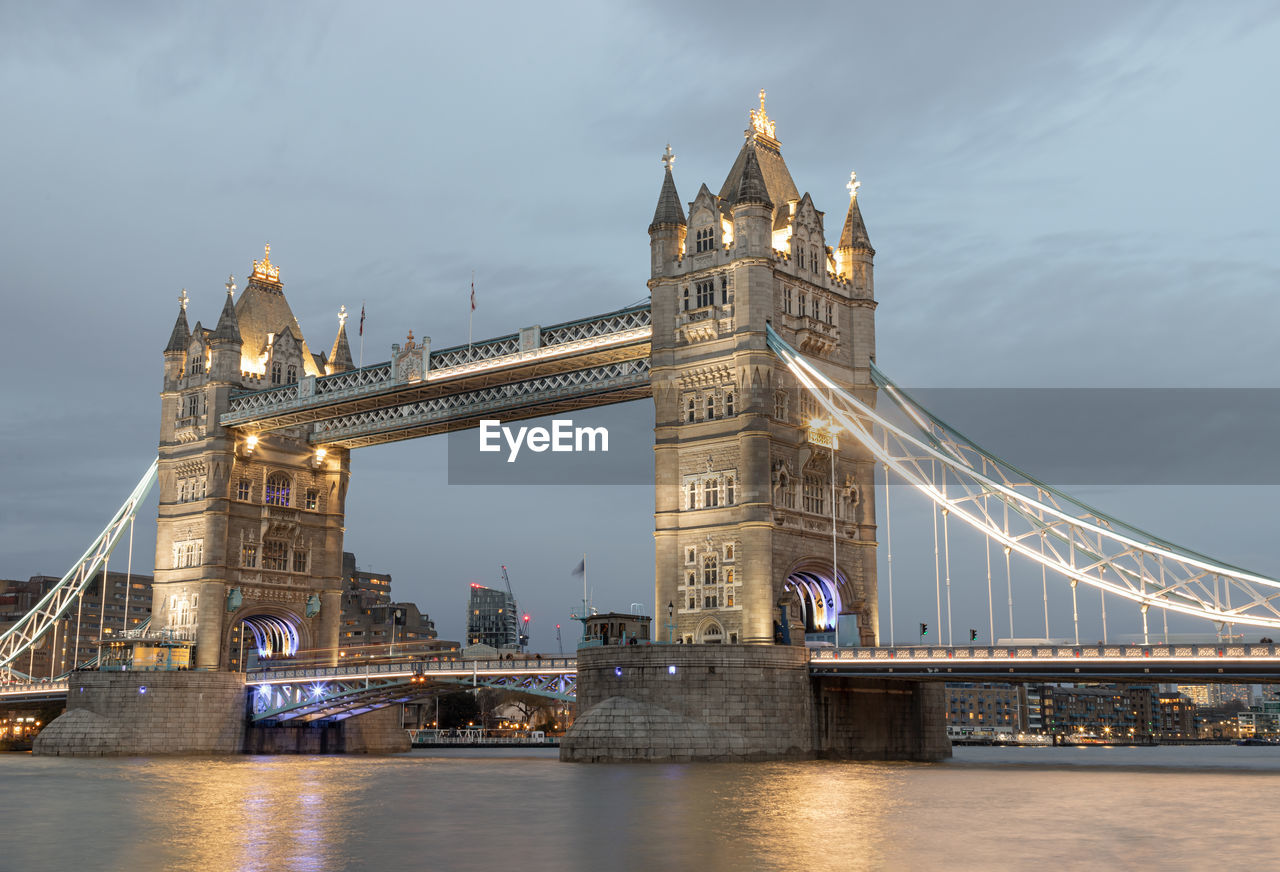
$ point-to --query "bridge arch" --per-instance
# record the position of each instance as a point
(270, 632)
(821, 596)
(710, 632)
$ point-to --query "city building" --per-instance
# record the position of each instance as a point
(1119, 712)
(74, 639)
(1260, 720)
(1175, 716)
(492, 619)
(983, 710)
(1217, 695)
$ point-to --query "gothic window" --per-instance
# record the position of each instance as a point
(710, 494)
(814, 494)
(709, 602)
(710, 570)
(724, 290)
(191, 405)
(242, 490)
(813, 260)
(182, 491)
(276, 373)
(686, 298)
(831, 313)
(728, 554)
(728, 404)
(691, 579)
(786, 298)
(277, 489)
(711, 408)
(816, 304)
(803, 301)
(275, 555)
(689, 556)
(313, 499)
(706, 293)
(728, 600)
(728, 501)
(249, 555)
(203, 484)
(692, 502)
(299, 560)
(188, 554)
(197, 363)
(693, 603)
(780, 405)
(800, 255)
(692, 409)
(704, 239)
(293, 374)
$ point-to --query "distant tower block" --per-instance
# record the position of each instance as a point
(744, 491)
(249, 536)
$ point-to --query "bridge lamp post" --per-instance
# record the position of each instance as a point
(825, 431)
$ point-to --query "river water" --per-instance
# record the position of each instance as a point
(487, 810)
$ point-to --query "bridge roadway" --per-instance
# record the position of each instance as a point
(1231, 662)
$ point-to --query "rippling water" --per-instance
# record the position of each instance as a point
(989, 808)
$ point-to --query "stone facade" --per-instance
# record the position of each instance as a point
(250, 524)
(148, 713)
(744, 489)
(671, 703)
(657, 703)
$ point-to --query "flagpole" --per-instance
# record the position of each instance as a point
(362, 334)
(471, 316)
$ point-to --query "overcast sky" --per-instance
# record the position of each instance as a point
(1060, 195)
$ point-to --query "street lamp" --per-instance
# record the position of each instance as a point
(826, 431)
(671, 621)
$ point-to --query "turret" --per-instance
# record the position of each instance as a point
(340, 357)
(752, 211)
(668, 228)
(855, 257)
(175, 352)
(224, 342)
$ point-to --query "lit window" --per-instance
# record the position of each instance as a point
(278, 489)
(728, 549)
(249, 555)
(313, 499)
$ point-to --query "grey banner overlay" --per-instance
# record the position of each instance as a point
(1062, 436)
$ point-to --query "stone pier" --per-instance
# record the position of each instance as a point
(669, 703)
(126, 714)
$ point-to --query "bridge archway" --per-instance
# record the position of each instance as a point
(263, 633)
(821, 597)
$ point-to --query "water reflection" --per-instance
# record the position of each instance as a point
(991, 808)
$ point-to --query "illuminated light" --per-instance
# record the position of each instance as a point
(142, 689)
(761, 123)
(671, 670)
(726, 231)
(317, 690)
(264, 270)
(617, 670)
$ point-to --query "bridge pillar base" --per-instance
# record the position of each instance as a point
(663, 703)
(878, 719)
(148, 713)
(376, 732)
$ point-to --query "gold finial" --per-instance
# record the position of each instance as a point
(342, 316)
(182, 299)
(668, 157)
(263, 269)
(853, 185)
(409, 340)
(231, 285)
(760, 121)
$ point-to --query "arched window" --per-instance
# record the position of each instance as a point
(692, 409)
(277, 489)
(711, 408)
(276, 373)
(293, 374)
(728, 404)
(728, 500)
(692, 501)
(710, 569)
(710, 494)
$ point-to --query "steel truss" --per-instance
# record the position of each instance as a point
(1028, 517)
(339, 699)
(19, 639)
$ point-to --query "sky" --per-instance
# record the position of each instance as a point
(1060, 196)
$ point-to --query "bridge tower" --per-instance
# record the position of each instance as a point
(743, 515)
(249, 534)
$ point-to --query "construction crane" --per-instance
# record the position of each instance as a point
(522, 632)
(559, 641)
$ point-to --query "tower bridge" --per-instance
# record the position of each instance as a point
(756, 346)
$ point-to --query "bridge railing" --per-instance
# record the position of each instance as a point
(942, 654)
(411, 666)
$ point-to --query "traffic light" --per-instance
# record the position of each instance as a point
(924, 630)
(973, 635)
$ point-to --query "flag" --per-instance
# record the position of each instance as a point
(582, 567)
(473, 295)
(361, 319)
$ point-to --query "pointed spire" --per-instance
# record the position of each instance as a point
(340, 357)
(669, 210)
(180, 338)
(228, 329)
(751, 187)
(854, 235)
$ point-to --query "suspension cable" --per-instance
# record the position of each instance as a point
(937, 577)
(946, 544)
(888, 536)
(1044, 586)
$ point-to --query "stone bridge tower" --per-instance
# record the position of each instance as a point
(743, 516)
(249, 535)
